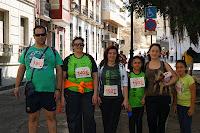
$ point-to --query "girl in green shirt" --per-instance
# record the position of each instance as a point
(136, 94)
(184, 100)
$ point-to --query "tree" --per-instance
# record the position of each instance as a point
(183, 16)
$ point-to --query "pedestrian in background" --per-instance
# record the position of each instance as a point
(184, 100)
(39, 62)
(157, 92)
(136, 95)
(80, 89)
(113, 90)
(189, 61)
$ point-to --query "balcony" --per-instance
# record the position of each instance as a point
(75, 9)
(6, 49)
(84, 13)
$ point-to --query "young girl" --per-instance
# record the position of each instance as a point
(184, 100)
(136, 95)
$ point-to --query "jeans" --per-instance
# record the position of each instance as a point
(135, 121)
(111, 109)
(80, 112)
(184, 120)
(157, 113)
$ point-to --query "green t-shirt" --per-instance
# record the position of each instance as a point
(183, 90)
(136, 92)
(111, 76)
(43, 78)
(75, 68)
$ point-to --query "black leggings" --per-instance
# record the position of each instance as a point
(135, 121)
(111, 109)
(157, 113)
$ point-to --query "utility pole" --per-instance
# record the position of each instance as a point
(132, 30)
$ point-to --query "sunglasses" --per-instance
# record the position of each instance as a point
(43, 34)
(79, 44)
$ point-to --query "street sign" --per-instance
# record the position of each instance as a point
(150, 25)
(150, 12)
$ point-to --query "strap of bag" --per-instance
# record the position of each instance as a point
(39, 58)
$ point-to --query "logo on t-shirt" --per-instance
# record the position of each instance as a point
(179, 87)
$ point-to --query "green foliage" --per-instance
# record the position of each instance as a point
(183, 15)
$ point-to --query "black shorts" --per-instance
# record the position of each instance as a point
(40, 100)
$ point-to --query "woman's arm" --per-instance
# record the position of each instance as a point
(174, 76)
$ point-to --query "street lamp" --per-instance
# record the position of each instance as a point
(131, 49)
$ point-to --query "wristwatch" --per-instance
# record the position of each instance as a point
(58, 89)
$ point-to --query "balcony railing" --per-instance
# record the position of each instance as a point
(6, 49)
(91, 14)
(75, 8)
(84, 10)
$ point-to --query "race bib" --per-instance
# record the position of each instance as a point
(82, 72)
(110, 90)
(37, 63)
(137, 82)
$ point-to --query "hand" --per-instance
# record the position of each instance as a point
(143, 101)
(129, 108)
(94, 99)
(125, 104)
(174, 108)
(16, 92)
(57, 95)
(191, 111)
(62, 102)
(99, 100)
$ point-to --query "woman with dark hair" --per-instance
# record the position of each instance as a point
(157, 91)
(80, 89)
(113, 91)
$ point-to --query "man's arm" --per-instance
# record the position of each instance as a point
(20, 75)
(59, 77)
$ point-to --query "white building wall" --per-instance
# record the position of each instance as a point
(16, 10)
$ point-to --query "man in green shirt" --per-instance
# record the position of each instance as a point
(39, 62)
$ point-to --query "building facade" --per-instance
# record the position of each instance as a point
(16, 30)
(113, 19)
(86, 23)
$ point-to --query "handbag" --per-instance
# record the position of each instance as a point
(29, 88)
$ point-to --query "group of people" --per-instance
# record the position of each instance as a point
(81, 85)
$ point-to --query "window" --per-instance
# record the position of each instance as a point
(24, 31)
(116, 30)
(93, 41)
(79, 31)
